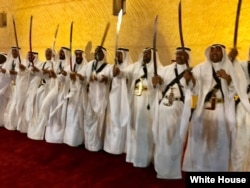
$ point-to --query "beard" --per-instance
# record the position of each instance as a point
(79, 60)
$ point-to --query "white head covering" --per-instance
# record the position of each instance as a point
(36, 60)
(127, 60)
(66, 52)
(158, 62)
(9, 62)
(187, 50)
(223, 48)
(65, 62)
(104, 52)
(9, 54)
(84, 61)
(77, 67)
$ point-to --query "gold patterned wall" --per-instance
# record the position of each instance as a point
(204, 23)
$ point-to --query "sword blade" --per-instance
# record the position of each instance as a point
(30, 38)
(180, 30)
(118, 27)
(71, 35)
(180, 26)
(55, 36)
(15, 33)
(154, 44)
(237, 23)
(105, 33)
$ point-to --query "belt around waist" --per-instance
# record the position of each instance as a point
(138, 90)
(143, 88)
(217, 100)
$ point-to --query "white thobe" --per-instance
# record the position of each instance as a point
(51, 108)
(74, 128)
(36, 128)
(25, 119)
(209, 138)
(168, 143)
(94, 121)
(240, 160)
(17, 97)
(139, 132)
(117, 117)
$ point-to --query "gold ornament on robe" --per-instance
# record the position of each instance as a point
(139, 88)
(170, 97)
(194, 101)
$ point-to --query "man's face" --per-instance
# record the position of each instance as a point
(15, 53)
(61, 55)
(119, 57)
(147, 56)
(99, 54)
(48, 54)
(31, 57)
(216, 54)
(181, 57)
(79, 57)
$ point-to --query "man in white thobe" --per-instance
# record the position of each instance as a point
(240, 155)
(76, 99)
(142, 100)
(36, 128)
(168, 142)
(51, 109)
(117, 116)
(213, 122)
(17, 88)
(97, 74)
(31, 77)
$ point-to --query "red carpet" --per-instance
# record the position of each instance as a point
(30, 163)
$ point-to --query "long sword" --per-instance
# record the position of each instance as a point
(180, 31)
(237, 23)
(30, 40)
(53, 46)
(54, 42)
(154, 44)
(119, 22)
(71, 35)
(15, 32)
(105, 33)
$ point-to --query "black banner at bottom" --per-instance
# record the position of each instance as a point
(209, 179)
